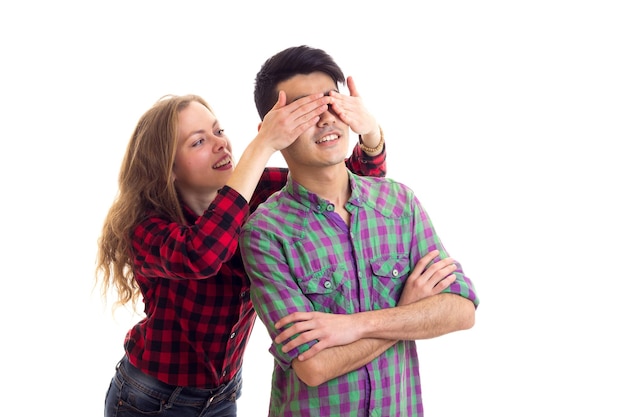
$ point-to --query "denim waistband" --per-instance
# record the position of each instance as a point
(176, 395)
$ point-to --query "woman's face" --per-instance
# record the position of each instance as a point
(203, 162)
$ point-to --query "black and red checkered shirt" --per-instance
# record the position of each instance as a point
(195, 292)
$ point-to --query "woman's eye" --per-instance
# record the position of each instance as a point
(220, 132)
(198, 142)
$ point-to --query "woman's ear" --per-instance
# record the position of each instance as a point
(258, 128)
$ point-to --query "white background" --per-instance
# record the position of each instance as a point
(506, 117)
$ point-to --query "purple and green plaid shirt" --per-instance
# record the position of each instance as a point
(301, 256)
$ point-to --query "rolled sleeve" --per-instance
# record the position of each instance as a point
(273, 292)
(428, 240)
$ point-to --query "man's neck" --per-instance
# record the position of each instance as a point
(330, 183)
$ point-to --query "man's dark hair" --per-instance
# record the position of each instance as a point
(284, 65)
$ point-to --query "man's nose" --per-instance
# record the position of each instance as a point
(326, 118)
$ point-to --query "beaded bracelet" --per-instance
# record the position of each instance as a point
(378, 147)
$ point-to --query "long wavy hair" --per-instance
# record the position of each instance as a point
(146, 187)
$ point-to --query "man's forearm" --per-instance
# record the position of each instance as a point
(376, 331)
(424, 319)
(339, 360)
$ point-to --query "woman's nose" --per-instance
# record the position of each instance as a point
(220, 143)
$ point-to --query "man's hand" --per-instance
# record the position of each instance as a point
(329, 329)
(423, 282)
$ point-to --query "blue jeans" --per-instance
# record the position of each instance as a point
(133, 393)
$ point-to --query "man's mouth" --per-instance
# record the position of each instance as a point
(328, 138)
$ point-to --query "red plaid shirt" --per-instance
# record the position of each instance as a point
(195, 292)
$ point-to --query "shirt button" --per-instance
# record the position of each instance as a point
(330, 207)
(395, 272)
(232, 335)
(327, 284)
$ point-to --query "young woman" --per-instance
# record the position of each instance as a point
(171, 236)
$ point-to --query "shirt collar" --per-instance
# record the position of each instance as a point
(316, 203)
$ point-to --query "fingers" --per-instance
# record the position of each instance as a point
(437, 270)
(352, 111)
(304, 328)
(441, 269)
(299, 327)
(286, 122)
(305, 108)
(302, 322)
(421, 264)
(441, 272)
(426, 281)
(444, 283)
(308, 104)
(282, 100)
(302, 338)
(292, 318)
(352, 87)
(325, 329)
(315, 349)
(304, 112)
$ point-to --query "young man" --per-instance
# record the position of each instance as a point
(329, 258)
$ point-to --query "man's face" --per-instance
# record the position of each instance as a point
(324, 144)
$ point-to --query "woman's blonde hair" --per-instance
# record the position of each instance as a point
(146, 187)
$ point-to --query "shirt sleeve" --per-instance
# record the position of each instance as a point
(363, 164)
(272, 180)
(273, 291)
(428, 240)
(164, 248)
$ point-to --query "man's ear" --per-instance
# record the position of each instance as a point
(259, 126)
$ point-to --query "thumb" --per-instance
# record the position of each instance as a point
(282, 100)
(352, 87)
